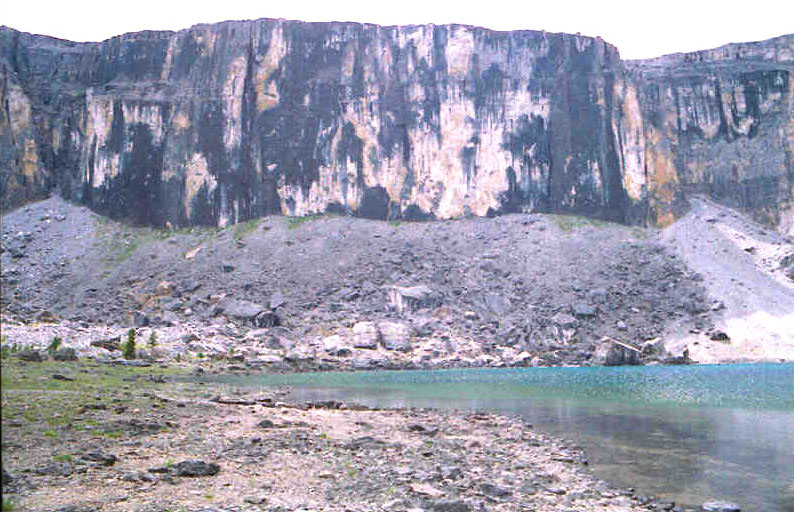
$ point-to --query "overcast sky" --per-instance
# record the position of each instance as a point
(639, 29)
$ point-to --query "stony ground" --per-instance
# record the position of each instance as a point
(751, 269)
(338, 292)
(133, 439)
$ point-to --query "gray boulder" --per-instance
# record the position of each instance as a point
(194, 468)
(365, 335)
(612, 353)
(30, 355)
(411, 298)
(240, 309)
(564, 320)
(583, 310)
(720, 506)
(65, 354)
(395, 336)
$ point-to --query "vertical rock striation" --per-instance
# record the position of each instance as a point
(721, 122)
(221, 123)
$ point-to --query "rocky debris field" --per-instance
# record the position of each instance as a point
(751, 269)
(338, 292)
(114, 437)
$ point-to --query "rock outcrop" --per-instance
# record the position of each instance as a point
(222, 123)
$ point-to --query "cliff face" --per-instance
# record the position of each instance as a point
(221, 123)
(721, 122)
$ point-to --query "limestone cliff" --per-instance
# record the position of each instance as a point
(721, 122)
(220, 123)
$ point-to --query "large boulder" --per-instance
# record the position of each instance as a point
(65, 354)
(395, 336)
(365, 335)
(613, 353)
(334, 345)
(720, 506)
(242, 310)
(30, 355)
(411, 298)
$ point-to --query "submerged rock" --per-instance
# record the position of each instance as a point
(720, 506)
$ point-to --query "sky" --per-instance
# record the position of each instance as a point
(639, 29)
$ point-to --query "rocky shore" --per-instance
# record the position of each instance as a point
(85, 435)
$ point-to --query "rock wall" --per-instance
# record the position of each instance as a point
(221, 123)
(721, 122)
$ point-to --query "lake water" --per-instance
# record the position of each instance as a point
(683, 433)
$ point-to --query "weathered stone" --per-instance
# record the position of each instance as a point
(137, 477)
(65, 354)
(454, 505)
(395, 336)
(335, 346)
(598, 296)
(105, 459)
(240, 309)
(367, 362)
(365, 335)
(720, 506)
(195, 468)
(494, 490)
(654, 348)
(140, 319)
(407, 299)
(583, 310)
(718, 335)
(276, 300)
(564, 320)
(609, 353)
(266, 424)
(267, 319)
(164, 289)
(30, 355)
(110, 345)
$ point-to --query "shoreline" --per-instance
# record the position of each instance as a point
(272, 453)
(194, 345)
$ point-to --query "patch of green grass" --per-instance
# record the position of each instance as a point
(112, 434)
(55, 421)
(8, 505)
(51, 433)
(30, 392)
(296, 222)
(243, 229)
(120, 241)
(62, 457)
(639, 232)
(567, 223)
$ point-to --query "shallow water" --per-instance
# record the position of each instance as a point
(684, 433)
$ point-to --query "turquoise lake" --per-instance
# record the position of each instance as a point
(683, 433)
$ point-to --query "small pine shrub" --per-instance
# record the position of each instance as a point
(152, 340)
(55, 344)
(128, 348)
